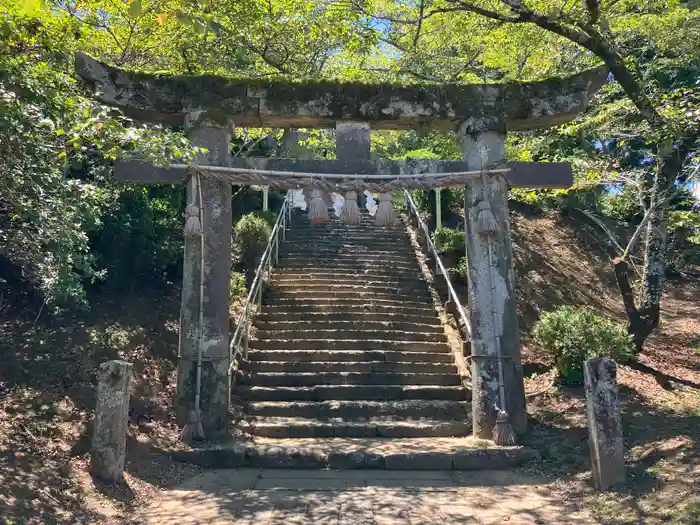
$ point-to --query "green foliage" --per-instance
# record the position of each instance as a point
(450, 241)
(623, 206)
(461, 270)
(684, 240)
(140, 237)
(570, 336)
(237, 287)
(252, 233)
(55, 146)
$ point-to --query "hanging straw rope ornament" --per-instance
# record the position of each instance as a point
(486, 222)
(318, 209)
(385, 212)
(351, 211)
(193, 224)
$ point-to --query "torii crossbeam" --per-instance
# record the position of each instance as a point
(481, 114)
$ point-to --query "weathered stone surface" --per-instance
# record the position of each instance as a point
(491, 289)
(352, 141)
(497, 458)
(358, 459)
(285, 457)
(108, 449)
(318, 104)
(419, 461)
(604, 422)
(230, 456)
(216, 225)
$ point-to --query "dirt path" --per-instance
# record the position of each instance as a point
(362, 497)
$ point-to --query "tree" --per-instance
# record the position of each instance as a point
(55, 148)
(605, 31)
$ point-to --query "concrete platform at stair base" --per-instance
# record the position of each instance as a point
(351, 454)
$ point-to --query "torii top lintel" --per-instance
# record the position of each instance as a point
(316, 104)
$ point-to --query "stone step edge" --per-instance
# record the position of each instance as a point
(292, 457)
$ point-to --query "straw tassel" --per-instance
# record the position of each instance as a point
(318, 209)
(351, 211)
(385, 212)
(486, 222)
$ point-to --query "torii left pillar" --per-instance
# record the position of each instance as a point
(215, 136)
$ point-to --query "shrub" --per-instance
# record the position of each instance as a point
(450, 241)
(461, 269)
(571, 336)
(252, 233)
(237, 287)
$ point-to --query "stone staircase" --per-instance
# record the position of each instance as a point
(348, 344)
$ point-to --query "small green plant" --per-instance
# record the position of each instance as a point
(461, 268)
(572, 335)
(252, 234)
(237, 287)
(449, 241)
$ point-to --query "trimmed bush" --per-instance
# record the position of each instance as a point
(572, 335)
(450, 241)
(252, 233)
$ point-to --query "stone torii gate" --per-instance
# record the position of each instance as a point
(209, 107)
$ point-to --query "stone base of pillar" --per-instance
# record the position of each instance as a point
(214, 398)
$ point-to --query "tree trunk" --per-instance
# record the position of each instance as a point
(643, 320)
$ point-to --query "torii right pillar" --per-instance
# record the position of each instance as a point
(492, 305)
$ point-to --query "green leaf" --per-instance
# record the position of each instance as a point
(135, 8)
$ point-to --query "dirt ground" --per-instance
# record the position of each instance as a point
(47, 373)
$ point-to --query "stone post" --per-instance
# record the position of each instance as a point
(352, 143)
(491, 287)
(216, 226)
(604, 423)
(108, 448)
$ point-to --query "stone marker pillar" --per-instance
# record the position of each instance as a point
(217, 223)
(108, 448)
(491, 287)
(352, 143)
(604, 423)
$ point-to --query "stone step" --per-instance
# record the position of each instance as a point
(347, 304)
(351, 392)
(359, 259)
(453, 453)
(300, 326)
(411, 409)
(349, 243)
(358, 286)
(345, 242)
(346, 378)
(396, 294)
(347, 344)
(347, 308)
(386, 273)
(350, 366)
(355, 280)
(334, 225)
(362, 317)
(341, 335)
(299, 356)
(307, 428)
(338, 252)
